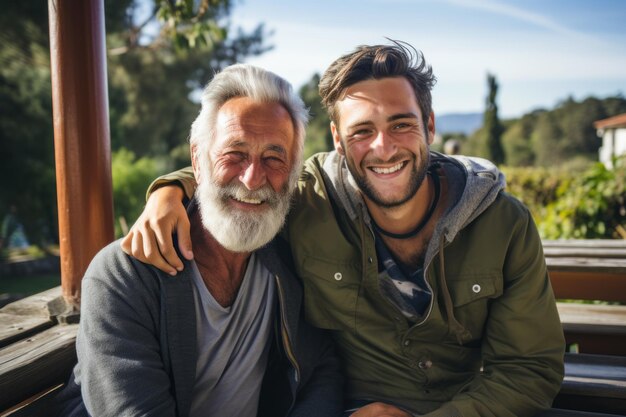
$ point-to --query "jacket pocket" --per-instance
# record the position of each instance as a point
(471, 295)
(330, 293)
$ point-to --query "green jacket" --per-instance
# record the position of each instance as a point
(490, 343)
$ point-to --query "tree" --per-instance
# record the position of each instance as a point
(27, 157)
(546, 140)
(318, 135)
(491, 125)
(156, 61)
(516, 141)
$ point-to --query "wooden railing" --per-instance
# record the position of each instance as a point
(37, 348)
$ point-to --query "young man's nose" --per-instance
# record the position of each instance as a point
(383, 146)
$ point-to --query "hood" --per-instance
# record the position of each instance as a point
(473, 184)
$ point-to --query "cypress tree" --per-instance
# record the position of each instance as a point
(492, 127)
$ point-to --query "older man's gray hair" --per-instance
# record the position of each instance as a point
(243, 80)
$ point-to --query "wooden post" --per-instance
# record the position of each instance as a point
(81, 136)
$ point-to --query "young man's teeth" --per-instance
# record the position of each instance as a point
(249, 200)
(388, 170)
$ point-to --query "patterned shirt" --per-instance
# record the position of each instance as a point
(404, 287)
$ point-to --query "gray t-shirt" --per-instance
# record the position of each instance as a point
(233, 345)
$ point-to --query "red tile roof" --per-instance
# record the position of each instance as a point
(615, 121)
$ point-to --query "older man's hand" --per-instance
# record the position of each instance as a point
(380, 410)
(150, 238)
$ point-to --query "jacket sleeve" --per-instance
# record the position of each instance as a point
(184, 178)
(121, 369)
(322, 393)
(523, 347)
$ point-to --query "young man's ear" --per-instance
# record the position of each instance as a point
(431, 128)
(336, 139)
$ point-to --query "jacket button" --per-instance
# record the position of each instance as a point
(407, 342)
(370, 260)
(425, 364)
(338, 276)
(476, 288)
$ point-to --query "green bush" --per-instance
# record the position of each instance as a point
(131, 178)
(593, 207)
(575, 201)
(536, 187)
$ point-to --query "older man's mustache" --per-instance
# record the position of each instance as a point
(239, 192)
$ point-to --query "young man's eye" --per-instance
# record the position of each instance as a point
(362, 133)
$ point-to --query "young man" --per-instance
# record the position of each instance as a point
(226, 338)
(432, 278)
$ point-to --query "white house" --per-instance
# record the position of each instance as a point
(613, 134)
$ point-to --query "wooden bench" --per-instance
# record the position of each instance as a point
(587, 269)
(37, 353)
(590, 270)
(593, 383)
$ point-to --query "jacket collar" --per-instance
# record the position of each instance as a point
(276, 256)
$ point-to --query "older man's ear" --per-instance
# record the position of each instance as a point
(193, 150)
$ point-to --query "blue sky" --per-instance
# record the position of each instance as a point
(540, 51)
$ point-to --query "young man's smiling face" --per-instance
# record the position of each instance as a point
(381, 133)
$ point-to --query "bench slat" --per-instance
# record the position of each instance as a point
(593, 382)
(588, 285)
(585, 243)
(14, 328)
(560, 252)
(32, 365)
(557, 412)
(33, 306)
(587, 264)
(593, 318)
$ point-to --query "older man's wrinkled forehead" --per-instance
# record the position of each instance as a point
(245, 120)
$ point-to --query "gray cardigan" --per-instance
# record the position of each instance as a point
(137, 344)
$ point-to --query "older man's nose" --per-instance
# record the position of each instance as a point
(253, 176)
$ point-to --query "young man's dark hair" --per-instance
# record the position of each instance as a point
(375, 62)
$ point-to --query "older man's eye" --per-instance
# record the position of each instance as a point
(274, 162)
(235, 156)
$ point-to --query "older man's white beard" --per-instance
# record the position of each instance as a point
(239, 230)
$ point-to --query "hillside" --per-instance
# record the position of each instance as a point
(465, 123)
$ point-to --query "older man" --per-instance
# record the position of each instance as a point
(431, 277)
(226, 337)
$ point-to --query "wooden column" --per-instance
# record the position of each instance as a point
(81, 136)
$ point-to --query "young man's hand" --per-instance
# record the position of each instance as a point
(150, 238)
(380, 410)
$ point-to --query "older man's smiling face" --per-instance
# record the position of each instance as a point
(243, 178)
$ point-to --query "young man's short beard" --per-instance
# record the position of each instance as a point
(418, 174)
(240, 230)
